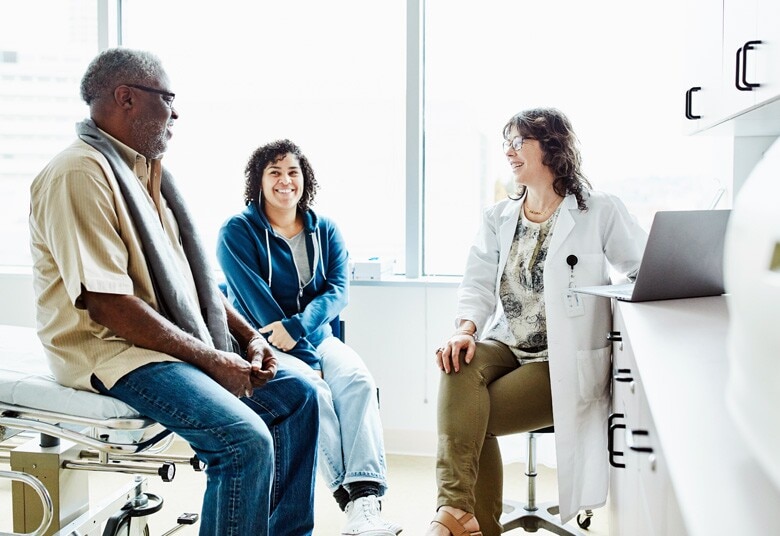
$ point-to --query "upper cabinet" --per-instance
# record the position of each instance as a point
(703, 72)
(733, 66)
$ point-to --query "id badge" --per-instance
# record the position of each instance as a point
(573, 303)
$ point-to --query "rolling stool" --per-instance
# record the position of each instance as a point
(530, 516)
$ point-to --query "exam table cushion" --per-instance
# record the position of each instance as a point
(25, 380)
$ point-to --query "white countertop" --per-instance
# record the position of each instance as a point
(680, 351)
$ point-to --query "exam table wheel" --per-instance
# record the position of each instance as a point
(119, 523)
(584, 522)
(124, 529)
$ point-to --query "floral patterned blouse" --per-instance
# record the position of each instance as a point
(523, 325)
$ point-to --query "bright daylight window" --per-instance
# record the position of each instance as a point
(611, 66)
(45, 46)
(328, 75)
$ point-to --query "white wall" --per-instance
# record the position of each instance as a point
(17, 301)
(396, 328)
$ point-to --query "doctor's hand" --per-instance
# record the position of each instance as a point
(447, 357)
(279, 336)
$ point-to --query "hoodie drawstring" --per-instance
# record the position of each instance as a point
(270, 265)
(319, 249)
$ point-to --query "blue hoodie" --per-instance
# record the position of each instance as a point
(262, 279)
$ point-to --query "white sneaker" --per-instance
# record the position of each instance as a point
(363, 519)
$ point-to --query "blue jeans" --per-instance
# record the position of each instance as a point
(351, 445)
(260, 451)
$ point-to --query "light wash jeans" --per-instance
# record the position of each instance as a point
(259, 451)
(351, 444)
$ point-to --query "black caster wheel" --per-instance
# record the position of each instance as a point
(584, 521)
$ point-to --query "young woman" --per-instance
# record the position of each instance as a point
(286, 271)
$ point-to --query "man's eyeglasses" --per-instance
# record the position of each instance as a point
(167, 95)
(515, 143)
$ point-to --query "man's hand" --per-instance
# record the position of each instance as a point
(232, 372)
(262, 360)
(279, 336)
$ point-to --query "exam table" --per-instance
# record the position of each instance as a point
(53, 436)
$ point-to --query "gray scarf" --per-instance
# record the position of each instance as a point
(210, 326)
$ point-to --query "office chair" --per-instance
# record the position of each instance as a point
(530, 516)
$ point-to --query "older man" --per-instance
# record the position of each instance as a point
(127, 307)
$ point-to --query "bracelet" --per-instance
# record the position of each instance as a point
(469, 333)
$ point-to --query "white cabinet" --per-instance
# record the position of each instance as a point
(732, 64)
(740, 54)
(640, 487)
(670, 378)
(702, 76)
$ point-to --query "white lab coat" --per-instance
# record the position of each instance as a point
(579, 354)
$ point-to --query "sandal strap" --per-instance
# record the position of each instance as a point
(454, 524)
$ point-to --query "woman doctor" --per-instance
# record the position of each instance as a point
(527, 352)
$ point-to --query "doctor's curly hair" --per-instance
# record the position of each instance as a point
(269, 154)
(553, 130)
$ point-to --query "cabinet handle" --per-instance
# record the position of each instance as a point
(611, 440)
(630, 440)
(689, 103)
(619, 375)
(743, 50)
(614, 336)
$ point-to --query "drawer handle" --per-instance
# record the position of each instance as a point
(743, 50)
(620, 375)
(611, 440)
(614, 336)
(689, 103)
(630, 440)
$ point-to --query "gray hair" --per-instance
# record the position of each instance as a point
(117, 66)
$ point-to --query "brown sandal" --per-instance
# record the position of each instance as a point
(454, 524)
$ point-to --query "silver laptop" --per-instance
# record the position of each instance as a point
(683, 258)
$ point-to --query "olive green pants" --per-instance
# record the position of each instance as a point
(492, 396)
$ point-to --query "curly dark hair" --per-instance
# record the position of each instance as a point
(269, 154)
(556, 136)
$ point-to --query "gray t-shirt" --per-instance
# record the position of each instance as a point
(297, 244)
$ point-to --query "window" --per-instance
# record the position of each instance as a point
(45, 46)
(612, 68)
(327, 75)
(331, 76)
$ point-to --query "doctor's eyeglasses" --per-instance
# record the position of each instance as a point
(515, 143)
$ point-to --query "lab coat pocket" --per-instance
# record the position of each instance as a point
(593, 368)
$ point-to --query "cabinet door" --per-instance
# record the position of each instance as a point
(654, 483)
(768, 53)
(703, 68)
(740, 29)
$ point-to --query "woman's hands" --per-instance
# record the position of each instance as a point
(462, 341)
(279, 336)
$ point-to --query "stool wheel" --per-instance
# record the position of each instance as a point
(584, 522)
